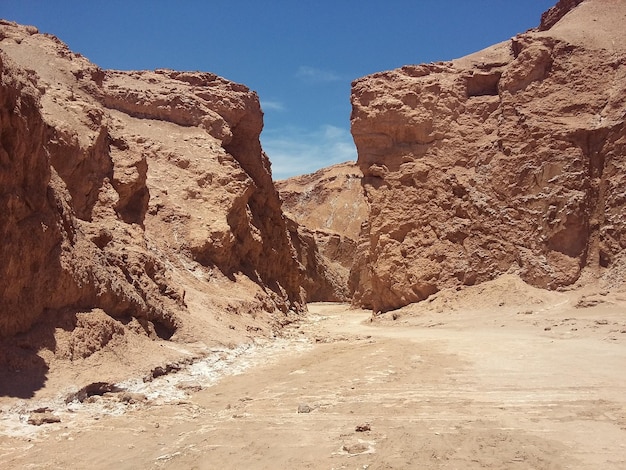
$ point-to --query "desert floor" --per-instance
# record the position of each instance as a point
(540, 388)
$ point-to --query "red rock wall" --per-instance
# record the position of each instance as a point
(511, 159)
(328, 208)
(119, 191)
(231, 113)
(31, 216)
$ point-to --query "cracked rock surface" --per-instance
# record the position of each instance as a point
(511, 159)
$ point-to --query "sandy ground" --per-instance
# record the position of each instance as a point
(541, 388)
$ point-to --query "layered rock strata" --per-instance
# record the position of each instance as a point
(327, 209)
(141, 196)
(510, 159)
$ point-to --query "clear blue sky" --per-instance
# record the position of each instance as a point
(299, 56)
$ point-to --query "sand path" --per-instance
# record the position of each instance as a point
(471, 394)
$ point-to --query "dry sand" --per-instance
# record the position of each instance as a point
(498, 376)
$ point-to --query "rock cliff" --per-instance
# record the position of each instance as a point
(512, 159)
(140, 205)
(141, 200)
(327, 208)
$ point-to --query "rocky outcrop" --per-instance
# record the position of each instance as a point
(143, 198)
(249, 228)
(331, 199)
(324, 279)
(554, 14)
(327, 208)
(508, 160)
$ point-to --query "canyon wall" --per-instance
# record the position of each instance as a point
(512, 159)
(327, 209)
(143, 195)
(146, 200)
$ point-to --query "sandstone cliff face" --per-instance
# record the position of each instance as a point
(327, 208)
(143, 197)
(331, 199)
(511, 159)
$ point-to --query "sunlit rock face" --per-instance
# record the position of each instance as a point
(143, 196)
(327, 208)
(510, 159)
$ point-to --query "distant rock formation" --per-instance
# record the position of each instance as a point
(512, 159)
(327, 208)
(138, 195)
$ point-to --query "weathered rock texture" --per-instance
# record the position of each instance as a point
(510, 159)
(327, 208)
(133, 200)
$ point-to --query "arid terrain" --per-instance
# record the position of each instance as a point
(456, 298)
(519, 379)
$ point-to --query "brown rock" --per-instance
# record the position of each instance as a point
(131, 200)
(356, 448)
(363, 427)
(45, 417)
(509, 159)
(304, 408)
(327, 208)
(331, 199)
(554, 14)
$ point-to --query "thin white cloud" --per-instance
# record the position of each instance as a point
(315, 75)
(269, 105)
(294, 151)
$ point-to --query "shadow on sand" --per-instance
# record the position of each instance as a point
(22, 370)
(23, 383)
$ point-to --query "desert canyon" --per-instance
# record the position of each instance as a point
(456, 298)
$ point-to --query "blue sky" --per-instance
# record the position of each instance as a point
(300, 57)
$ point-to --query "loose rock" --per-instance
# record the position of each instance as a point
(37, 419)
(304, 408)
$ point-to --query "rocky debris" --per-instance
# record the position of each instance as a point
(169, 368)
(304, 408)
(43, 416)
(507, 160)
(327, 209)
(129, 203)
(363, 427)
(160, 371)
(37, 419)
(93, 389)
(356, 448)
(131, 397)
(587, 303)
(190, 386)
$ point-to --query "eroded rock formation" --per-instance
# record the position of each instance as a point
(327, 208)
(510, 159)
(140, 204)
(142, 199)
